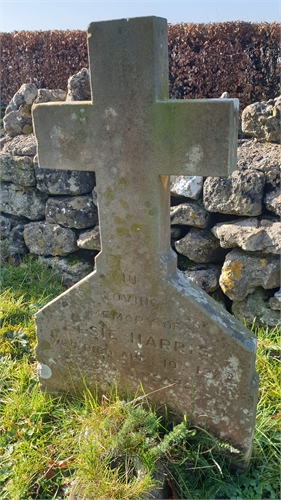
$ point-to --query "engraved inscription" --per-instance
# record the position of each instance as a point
(164, 344)
(131, 299)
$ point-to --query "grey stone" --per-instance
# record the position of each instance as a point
(17, 119)
(63, 182)
(243, 272)
(275, 301)
(78, 212)
(68, 270)
(262, 120)
(22, 201)
(134, 319)
(42, 238)
(90, 240)
(240, 194)
(21, 146)
(78, 86)
(205, 276)
(17, 169)
(188, 186)
(14, 244)
(95, 196)
(5, 226)
(250, 234)
(47, 95)
(260, 156)
(255, 308)
(272, 201)
(201, 246)
(190, 213)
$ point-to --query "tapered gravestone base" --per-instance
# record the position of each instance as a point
(162, 333)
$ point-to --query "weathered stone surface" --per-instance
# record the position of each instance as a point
(262, 120)
(17, 169)
(205, 276)
(17, 119)
(243, 272)
(135, 314)
(201, 246)
(252, 235)
(67, 182)
(42, 238)
(189, 186)
(47, 95)
(78, 212)
(5, 226)
(191, 213)
(262, 156)
(78, 86)
(255, 308)
(90, 240)
(21, 146)
(240, 194)
(26, 201)
(275, 301)
(14, 244)
(70, 272)
(272, 201)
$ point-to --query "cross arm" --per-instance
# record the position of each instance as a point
(195, 137)
(62, 134)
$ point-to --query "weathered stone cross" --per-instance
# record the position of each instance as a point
(135, 319)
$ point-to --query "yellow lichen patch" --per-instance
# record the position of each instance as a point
(262, 262)
(27, 129)
(230, 274)
(58, 251)
(117, 220)
(192, 214)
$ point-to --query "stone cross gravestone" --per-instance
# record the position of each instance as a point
(135, 319)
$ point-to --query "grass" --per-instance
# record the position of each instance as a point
(108, 448)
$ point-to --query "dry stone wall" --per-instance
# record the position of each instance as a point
(226, 232)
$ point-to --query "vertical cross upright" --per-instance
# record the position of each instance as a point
(135, 318)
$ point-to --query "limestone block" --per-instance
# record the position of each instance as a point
(21, 146)
(90, 240)
(272, 201)
(200, 245)
(191, 213)
(70, 272)
(205, 276)
(243, 272)
(250, 234)
(255, 307)
(78, 86)
(22, 201)
(275, 301)
(17, 169)
(47, 95)
(78, 212)
(262, 120)
(264, 156)
(67, 182)
(14, 244)
(17, 119)
(239, 194)
(5, 226)
(42, 238)
(189, 186)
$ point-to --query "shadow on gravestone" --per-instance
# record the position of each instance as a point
(136, 319)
